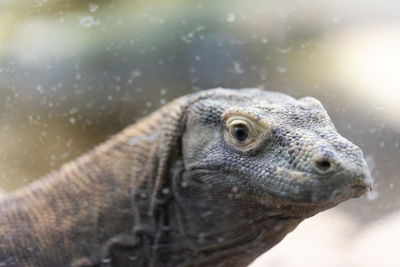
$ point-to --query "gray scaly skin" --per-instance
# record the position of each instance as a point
(214, 178)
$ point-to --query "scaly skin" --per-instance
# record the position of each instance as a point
(215, 178)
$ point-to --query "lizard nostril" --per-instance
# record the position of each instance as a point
(323, 164)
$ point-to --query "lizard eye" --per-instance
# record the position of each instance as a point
(241, 130)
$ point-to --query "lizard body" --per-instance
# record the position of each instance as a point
(214, 178)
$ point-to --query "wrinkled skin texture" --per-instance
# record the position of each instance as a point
(215, 178)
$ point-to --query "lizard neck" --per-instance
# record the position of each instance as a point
(75, 212)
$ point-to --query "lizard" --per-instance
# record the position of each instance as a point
(213, 178)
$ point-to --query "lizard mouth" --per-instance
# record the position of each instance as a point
(296, 188)
(318, 190)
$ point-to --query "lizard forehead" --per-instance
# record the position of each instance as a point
(269, 107)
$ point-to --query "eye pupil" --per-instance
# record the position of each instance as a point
(240, 133)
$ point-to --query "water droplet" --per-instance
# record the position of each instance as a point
(337, 20)
(135, 74)
(372, 195)
(378, 105)
(163, 91)
(231, 17)
(281, 69)
(89, 21)
(106, 260)
(207, 213)
(165, 191)
(284, 50)
(202, 236)
(93, 7)
(237, 66)
(132, 258)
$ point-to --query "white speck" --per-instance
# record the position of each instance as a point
(109, 98)
(78, 77)
(106, 260)
(163, 91)
(238, 67)
(93, 7)
(337, 20)
(378, 105)
(372, 195)
(190, 35)
(165, 191)
(141, 138)
(264, 41)
(391, 185)
(184, 184)
(231, 17)
(197, 58)
(72, 120)
(73, 110)
(133, 258)
(40, 89)
(201, 236)
(281, 69)
(235, 189)
(135, 74)
(370, 162)
(207, 213)
(89, 21)
(284, 50)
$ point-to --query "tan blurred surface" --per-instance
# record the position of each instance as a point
(333, 238)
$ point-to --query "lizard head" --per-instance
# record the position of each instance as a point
(272, 147)
(254, 164)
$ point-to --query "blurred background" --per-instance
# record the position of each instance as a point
(72, 73)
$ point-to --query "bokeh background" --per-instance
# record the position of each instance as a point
(72, 73)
